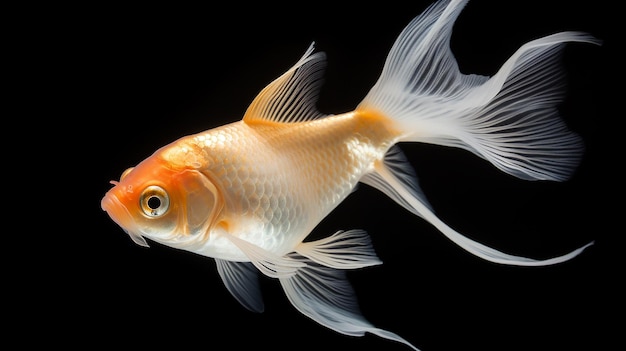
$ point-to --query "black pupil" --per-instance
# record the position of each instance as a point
(154, 202)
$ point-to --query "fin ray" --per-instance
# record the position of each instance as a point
(471, 246)
(509, 119)
(137, 239)
(242, 281)
(291, 97)
(404, 173)
(324, 295)
(343, 250)
(268, 263)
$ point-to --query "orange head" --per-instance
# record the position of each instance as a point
(173, 205)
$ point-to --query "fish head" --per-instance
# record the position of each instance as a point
(169, 204)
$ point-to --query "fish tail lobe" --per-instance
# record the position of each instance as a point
(510, 119)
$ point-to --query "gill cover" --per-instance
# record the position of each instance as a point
(200, 202)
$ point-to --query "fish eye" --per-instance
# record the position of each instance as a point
(125, 173)
(154, 201)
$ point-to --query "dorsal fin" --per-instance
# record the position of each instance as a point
(292, 96)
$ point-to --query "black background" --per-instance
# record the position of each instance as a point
(117, 81)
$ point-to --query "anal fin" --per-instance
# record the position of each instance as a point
(404, 174)
(343, 250)
(407, 194)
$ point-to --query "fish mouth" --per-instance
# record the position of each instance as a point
(120, 215)
(111, 205)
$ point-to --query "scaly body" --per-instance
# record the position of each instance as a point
(280, 180)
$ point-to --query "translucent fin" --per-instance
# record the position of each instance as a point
(342, 250)
(471, 246)
(242, 280)
(511, 119)
(404, 173)
(291, 97)
(324, 295)
(268, 263)
(137, 239)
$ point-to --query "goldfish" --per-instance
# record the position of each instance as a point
(249, 193)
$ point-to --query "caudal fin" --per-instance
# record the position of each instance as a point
(510, 119)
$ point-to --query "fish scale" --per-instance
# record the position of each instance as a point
(287, 177)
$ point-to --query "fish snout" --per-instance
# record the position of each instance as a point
(120, 215)
(116, 210)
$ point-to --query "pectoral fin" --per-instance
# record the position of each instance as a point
(272, 265)
(242, 280)
(137, 239)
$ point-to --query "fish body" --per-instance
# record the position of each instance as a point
(276, 181)
(287, 193)
(249, 193)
